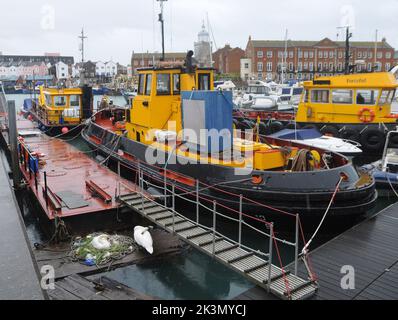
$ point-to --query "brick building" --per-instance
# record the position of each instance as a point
(305, 59)
(48, 58)
(227, 60)
(396, 58)
(142, 60)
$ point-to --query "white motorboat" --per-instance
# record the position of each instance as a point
(313, 138)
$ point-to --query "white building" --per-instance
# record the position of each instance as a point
(111, 69)
(245, 69)
(202, 49)
(100, 69)
(62, 70)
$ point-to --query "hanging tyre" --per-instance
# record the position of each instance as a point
(264, 129)
(276, 126)
(350, 134)
(393, 142)
(330, 131)
(373, 139)
(292, 126)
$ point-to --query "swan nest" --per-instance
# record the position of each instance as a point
(101, 248)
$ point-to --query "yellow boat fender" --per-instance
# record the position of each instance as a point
(316, 159)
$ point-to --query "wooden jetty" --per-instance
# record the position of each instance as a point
(370, 248)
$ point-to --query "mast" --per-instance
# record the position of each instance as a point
(82, 37)
(161, 20)
(347, 50)
(375, 57)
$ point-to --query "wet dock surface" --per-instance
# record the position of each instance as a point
(19, 278)
(370, 248)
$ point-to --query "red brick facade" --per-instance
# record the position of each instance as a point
(227, 60)
(306, 59)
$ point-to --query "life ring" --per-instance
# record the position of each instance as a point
(364, 118)
(120, 125)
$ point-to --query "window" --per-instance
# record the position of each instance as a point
(260, 54)
(269, 66)
(319, 66)
(75, 101)
(311, 66)
(326, 54)
(60, 101)
(370, 55)
(176, 84)
(367, 97)
(379, 55)
(342, 96)
(269, 54)
(331, 67)
(305, 54)
(163, 84)
(386, 97)
(331, 54)
(306, 66)
(320, 96)
(48, 100)
(311, 55)
(369, 67)
(340, 54)
(306, 96)
(259, 66)
(388, 66)
(260, 76)
(300, 55)
(246, 66)
(320, 54)
(359, 55)
(365, 54)
(148, 85)
(141, 84)
(291, 54)
(388, 55)
(204, 81)
(291, 66)
(300, 66)
(340, 66)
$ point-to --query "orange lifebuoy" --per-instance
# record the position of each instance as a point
(366, 118)
(120, 125)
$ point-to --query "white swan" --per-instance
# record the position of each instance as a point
(143, 238)
(101, 242)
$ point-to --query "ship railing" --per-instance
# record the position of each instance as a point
(148, 176)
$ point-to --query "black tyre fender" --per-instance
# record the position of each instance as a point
(330, 130)
(264, 129)
(276, 126)
(373, 139)
(393, 142)
(350, 134)
(292, 126)
(246, 124)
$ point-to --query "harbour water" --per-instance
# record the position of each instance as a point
(191, 275)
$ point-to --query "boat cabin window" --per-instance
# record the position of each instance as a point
(48, 100)
(386, 97)
(75, 101)
(148, 85)
(204, 81)
(60, 101)
(342, 96)
(320, 96)
(306, 96)
(176, 84)
(259, 90)
(286, 91)
(367, 97)
(297, 91)
(163, 84)
(141, 84)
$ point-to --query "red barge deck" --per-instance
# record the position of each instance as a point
(66, 181)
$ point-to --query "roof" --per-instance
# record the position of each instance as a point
(157, 55)
(294, 43)
(359, 80)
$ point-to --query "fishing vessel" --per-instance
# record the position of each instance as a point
(283, 174)
(57, 108)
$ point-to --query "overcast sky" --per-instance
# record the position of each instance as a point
(116, 28)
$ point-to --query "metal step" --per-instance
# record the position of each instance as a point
(145, 206)
(155, 210)
(128, 197)
(245, 256)
(134, 202)
(176, 222)
(211, 241)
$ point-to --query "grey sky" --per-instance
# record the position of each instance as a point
(116, 28)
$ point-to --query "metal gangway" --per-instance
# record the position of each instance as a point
(253, 264)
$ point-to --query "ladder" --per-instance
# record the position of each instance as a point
(224, 250)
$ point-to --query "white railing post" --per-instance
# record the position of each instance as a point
(165, 188)
(240, 219)
(296, 248)
(271, 239)
(197, 201)
(173, 205)
(214, 226)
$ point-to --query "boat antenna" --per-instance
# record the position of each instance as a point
(82, 37)
(375, 55)
(161, 20)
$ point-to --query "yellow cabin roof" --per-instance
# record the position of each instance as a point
(360, 80)
(64, 91)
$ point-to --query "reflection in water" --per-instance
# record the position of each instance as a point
(189, 276)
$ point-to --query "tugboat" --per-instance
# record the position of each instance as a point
(175, 101)
(60, 108)
(354, 107)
